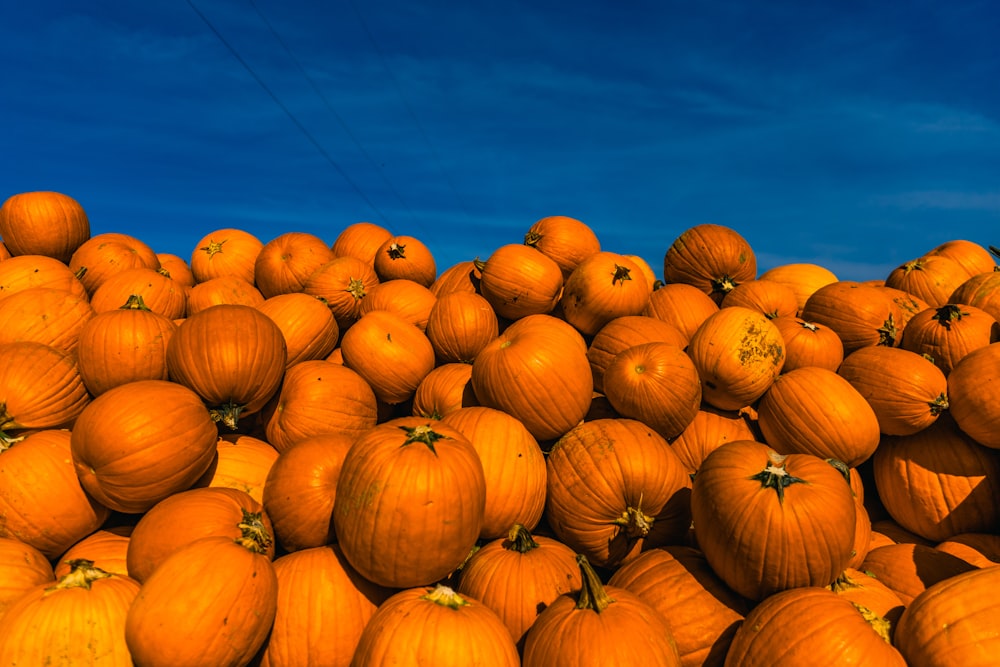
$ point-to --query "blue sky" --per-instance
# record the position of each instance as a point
(852, 135)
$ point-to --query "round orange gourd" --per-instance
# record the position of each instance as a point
(226, 252)
(46, 315)
(459, 325)
(176, 268)
(462, 276)
(230, 290)
(405, 257)
(27, 271)
(285, 262)
(361, 240)
(803, 278)
(104, 255)
(445, 389)
(343, 284)
(710, 429)
(622, 333)
(40, 387)
(307, 325)
(43, 223)
(859, 314)
(22, 567)
(809, 344)
(713, 258)
(241, 462)
(106, 547)
(602, 287)
(158, 291)
(931, 278)
(518, 280)
(772, 298)
(405, 297)
(946, 334)
(971, 395)
(566, 240)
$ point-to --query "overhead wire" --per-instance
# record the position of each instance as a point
(302, 128)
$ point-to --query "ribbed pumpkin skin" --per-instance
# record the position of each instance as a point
(43, 223)
(513, 465)
(41, 500)
(604, 286)
(909, 569)
(106, 548)
(615, 488)
(343, 283)
(44, 315)
(222, 290)
(771, 298)
(864, 589)
(215, 591)
(803, 278)
(981, 291)
(104, 255)
(622, 333)
(462, 276)
(974, 258)
(938, 482)
(140, 442)
(159, 293)
(738, 353)
(813, 410)
(323, 606)
(759, 542)
(22, 567)
(518, 280)
(26, 271)
(177, 268)
(860, 314)
(405, 257)
(406, 512)
(713, 258)
(407, 298)
(682, 305)
(833, 632)
(308, 326)
(241, 462)
(953, 622)
(518, 576)
(566, 240)
(809, 344)
(948, 333)
(361, 240)
(537, 371)
(232, 356)
(678, 582)
(972, 397)
(226, 252)
(184, 517)
(411, 628)
(710, 429)
(459, 325)
(445, 389)
(931, 278)
(979, 549)
(123, 345)
(40, 387)
(285, 262)
(72, 622)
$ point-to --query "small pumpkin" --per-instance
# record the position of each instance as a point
(361, 240)
(226, 252)
(568, 241)
(518, 280)
(713, 258)
(285, 262)
(403, 256)
(803, 278)
(231, 290)
(770, 297)
(684, 306)
(343, 284)
(809, 344)
(602, 287)
(622, 333)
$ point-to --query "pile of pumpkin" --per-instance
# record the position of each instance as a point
(296, 452)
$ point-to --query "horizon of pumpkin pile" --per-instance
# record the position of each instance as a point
(358, 442)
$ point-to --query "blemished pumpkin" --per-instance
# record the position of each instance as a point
(444, 629)
(226, 252)
(713, 258)
(78, 620)
(518, 280)
(43, 223)
(221, 589)
(619, 627)
(755, 514)
(410, 501)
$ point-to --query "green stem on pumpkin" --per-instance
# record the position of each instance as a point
(446, 597)
(135, 302)
(775, 476)
(253, 532)
(82, 573)
(939, 404)
(228, 414)
(593, 595)
(519, 539)
(880, 624)
(888, 332)
(635, 522)
(423, 434)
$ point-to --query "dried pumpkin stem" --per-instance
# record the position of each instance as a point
(253, 532)
(82, 573)
(939, 404)
(423, 434)
(519, 539)
(635, 522)
(446, 597)
(775, 476)
(593, 595)
(228, 414)
(135, 302)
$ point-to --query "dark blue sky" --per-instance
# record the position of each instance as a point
(853, 135)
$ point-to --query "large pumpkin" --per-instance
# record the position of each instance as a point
(40, 387)
(226, 252)
(343, 284)
(285, 263)
(713, 258)
(405, 257)
(361, 240)
(972, 395)
(860, 314)
(22, 567)
(566, 240)
(27, 271)
(622, 333)
(410, 502)
(310, 329)
(946, 334)
(459, 325)
(518, 280)
(604, 286)
(43, 223)
(104, 255)
(158, 291)
(757, 514)
(232, 356)
(46, 315)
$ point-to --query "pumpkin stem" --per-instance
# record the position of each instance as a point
(82, 573)
(397, 250)
(842, 468)
(253, 532)
(532, 238)
(775, 476)
(213, 247)
(357, 288)
(723, 285)
(519, 539)
(810, 325)
(592, 594)
(7, 441)
(949, 313)
(7, 421)
(880, 624)
(424, 434)
(135, 302)
(228, 414)
(622, 273)
(888, 332)
(446, 597)
(636, 523)
(939, 404)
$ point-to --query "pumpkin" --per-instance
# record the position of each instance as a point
(974, 258)
(641, 265)
(177, 269)
(859, 314)
(216, 588)
(160, 294)
(772, 298)
(319, 397)
(230, 290)
(323, 606)
(124, 345)
(241, 462)
(518, 576)
(833, 632)
(907, 305)
(405, 257)
(46, 315)
(106, 548)
(391, 354)
(22, 567)
(971, 395)
(361, 240)
(104, 255)
(756, 516)
(410, 501)
(684, 306)
(803, 278)
(864, 590)
(40, 387)
(946, 334)
(459, 325)
(462, 276)
(43, 223)
(813, 410)
(307, 325)
(518, 280)
(979, 549)
(909, 569)
(405, 297)
(931, 278)
(953, 621)
(513, 467)
(809, 344)
(599, 625)
(41, 500)
(713, 258)
(567, 241)
(906, 391)
(444, 628)
(27, 271)
(602, 287)
(140, 442)
(709, 429)
(938, 482)
(226, 252)
(343, 284)
(232, 356)
(285, 262)
(75, 621)
(981, 291)
(614, 488)
(300, 490)
(622, 333)
(738, 353)
(536, 370)
(445, 389)
(678, 582)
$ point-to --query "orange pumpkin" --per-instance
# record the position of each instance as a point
(343, 284)
(859, 314)
(361, 240)
(518, 280)
(43, 223)
(946, 334)
(27, 271)
(462, 276)
(809, 344)
(972, 398)
(803, 278)
(567, 241)
(459, 325)
(104, 255)
(684, 306)
(226, 252)
(307, 325)
(22, 567)
(40, 387)
(713, 258)
(285, 262)
(931, 278)
(160, 294)
(604, 286)
(974, 258)
(140, 442)
(46, 315)
(981, 291)
(177, 269)
(405, 257)
(770, 297)
(403, 296)
(230, 290)
(445, 389)
(241, 462)
(410, 502)
(861, 588)
(710, 429)
(105, 547)
(979, 549)
(624, 332)
(910, 569)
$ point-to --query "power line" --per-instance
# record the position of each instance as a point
(330, 107)
(288, 112)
